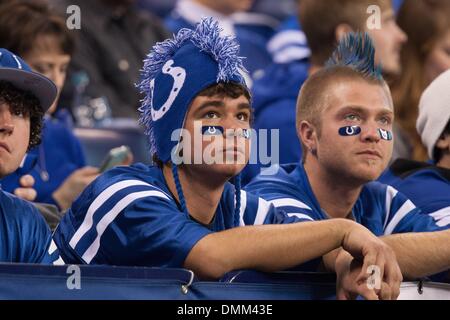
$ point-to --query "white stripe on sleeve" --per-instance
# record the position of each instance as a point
(111, 215)
(289, 202)
(390, 195)
(300, 216)
(263, 209)
(399, 215)
(442, 216)
(102, 198)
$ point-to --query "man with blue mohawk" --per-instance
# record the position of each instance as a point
(344, 121)
(182, 212)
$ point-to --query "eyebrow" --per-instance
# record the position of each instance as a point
(359, 109)
(220, 104)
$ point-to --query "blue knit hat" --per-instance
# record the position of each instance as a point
(175, 71)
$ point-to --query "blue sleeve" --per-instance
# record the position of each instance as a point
(128, 223)
(403, 216)
(258, 211)
(34, 236)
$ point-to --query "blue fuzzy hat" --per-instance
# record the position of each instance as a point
(175, 71)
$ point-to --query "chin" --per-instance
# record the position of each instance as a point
(367, 172)
(228, 170)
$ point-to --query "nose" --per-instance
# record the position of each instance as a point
(6, 123)
(58, 77)
(401, 35)
(369, 133)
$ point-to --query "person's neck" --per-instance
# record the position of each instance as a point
(335, 196)
(202, 194)
(445, 161)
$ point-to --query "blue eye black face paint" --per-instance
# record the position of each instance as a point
(349, 131)
(212, 130)
(355, 130)
(385, 135)
(218, 130)
(246, 133)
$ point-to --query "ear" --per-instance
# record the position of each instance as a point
(341, 31)
(308, 135)
(444, 142)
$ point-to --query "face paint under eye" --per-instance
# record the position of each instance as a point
(212, 130)
(385, 135)
(349, 131)
(245, 133)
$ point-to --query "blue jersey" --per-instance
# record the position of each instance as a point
(427, 185)
(128, 216)
(289, 42)
(24, 235)
(380, 208)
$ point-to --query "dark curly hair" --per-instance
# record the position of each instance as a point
(24, 102)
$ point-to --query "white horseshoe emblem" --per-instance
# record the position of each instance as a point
(179, 75)
(213, 131)
(351, 132)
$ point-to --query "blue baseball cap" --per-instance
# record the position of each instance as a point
(16, 71)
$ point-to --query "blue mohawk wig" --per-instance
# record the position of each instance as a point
(174, 73)
(356, 51)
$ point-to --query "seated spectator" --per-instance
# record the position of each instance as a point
(24, 97)
(423, 57)
(344, 120)
(324, 24)
(252, 44)
(427, 184)
(113, 39)
(184, 212)
(40, 36)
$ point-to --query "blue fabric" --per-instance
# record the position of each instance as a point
(60, 154)
(289, 43)
(292, 193)
(128, 216)
(24, 235)
(175, 71)
(425, 184)
(252, 44)
(12, 61)
(274, 102)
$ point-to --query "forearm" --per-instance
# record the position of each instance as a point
(421, 254)
(329, 259)
(267, 248)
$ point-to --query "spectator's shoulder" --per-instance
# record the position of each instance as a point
(19, 212)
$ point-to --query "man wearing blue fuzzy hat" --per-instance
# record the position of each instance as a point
(183, 212)
(24, 98)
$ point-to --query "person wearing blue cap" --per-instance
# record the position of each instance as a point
(24, 98)
(58, 165)
(183, 211)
